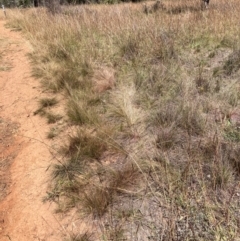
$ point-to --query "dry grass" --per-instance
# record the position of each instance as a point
(151, 91)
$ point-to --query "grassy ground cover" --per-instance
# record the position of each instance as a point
(152, 98)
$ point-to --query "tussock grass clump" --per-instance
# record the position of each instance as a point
(45, 103)
(85, 145)
(191, 120)
(79, 113)
(232, 133)
(222, 176)
(67, 171)
(166, 138)
(96, 202)
(52, 118)
(232, 64)
(123, 179)
(53, 132)
(154, 102)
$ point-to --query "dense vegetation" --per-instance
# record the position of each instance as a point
(149, 138)
(40, 3)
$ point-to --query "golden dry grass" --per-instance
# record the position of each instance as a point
(155, 99)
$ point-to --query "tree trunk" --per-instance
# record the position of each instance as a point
(35, 3)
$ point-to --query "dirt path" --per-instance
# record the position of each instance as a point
(24, 152)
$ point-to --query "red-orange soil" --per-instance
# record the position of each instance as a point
(25, 155)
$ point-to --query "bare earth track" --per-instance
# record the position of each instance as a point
(24, 149)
